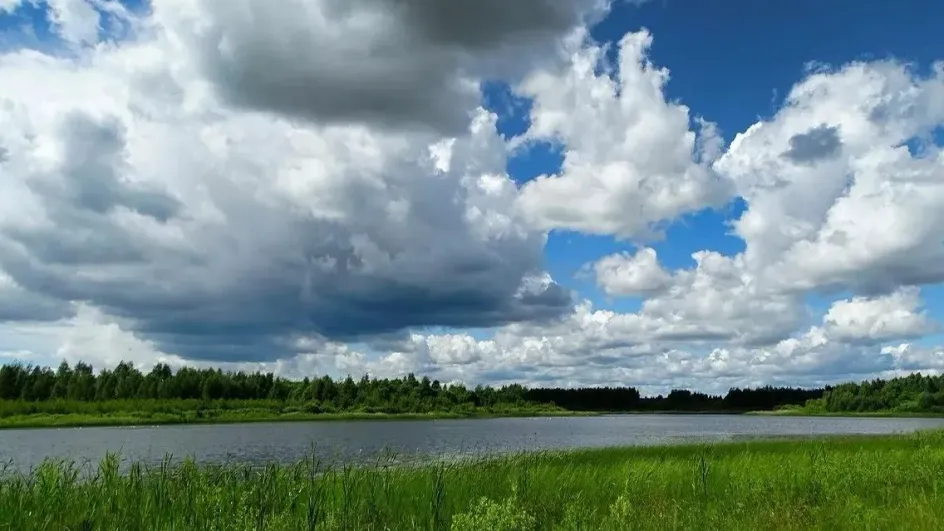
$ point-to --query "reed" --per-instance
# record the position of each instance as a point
(888, 482)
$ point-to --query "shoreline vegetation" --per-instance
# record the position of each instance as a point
(207, 414)
(847, 482)
(34, 397)
(808, 412)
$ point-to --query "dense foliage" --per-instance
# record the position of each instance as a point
(910, 394)
(894, 482)
(33, 384)
(628, 399)
(124, 383)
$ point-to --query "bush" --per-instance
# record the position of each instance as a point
(490, 515)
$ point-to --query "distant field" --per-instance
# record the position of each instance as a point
(890, 482)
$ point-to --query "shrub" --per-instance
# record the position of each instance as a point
(494, 516)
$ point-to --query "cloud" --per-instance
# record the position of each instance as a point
(631, 160)
(19, 305)
(627, 274)
(588, 347)
(818, 143)
(93, 337)
(76, 21)
(453, 349)
(383, 62)
(596, 347)
(9, 6)
(719, 300)
(909, 358)
(894, 316)
(91, 180)
(867, 217)
(217, 233)
(201, 193)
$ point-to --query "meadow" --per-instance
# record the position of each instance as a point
(889, 482)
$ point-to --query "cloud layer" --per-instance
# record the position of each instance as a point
(198, 191)
(223, 233)
(382, 62)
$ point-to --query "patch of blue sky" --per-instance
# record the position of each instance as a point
(27, 26)
(733, 61)
(30, 26)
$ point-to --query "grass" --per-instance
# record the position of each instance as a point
(159, 412)
(860, 483)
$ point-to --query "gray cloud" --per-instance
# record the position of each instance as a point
(79, 198)
(483, 23)
(267, 268)
(91, 178)
(817, 144)
(18, 305)
(384, 62)
(207, 310)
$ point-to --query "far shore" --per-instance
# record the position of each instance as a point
(799, 412)
(78, 420)
(246, 417)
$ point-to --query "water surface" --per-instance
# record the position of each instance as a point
(359, 441)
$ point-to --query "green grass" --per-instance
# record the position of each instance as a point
(860, 483)
(18, 414)
(248, 416)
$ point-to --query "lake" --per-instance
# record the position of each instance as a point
(363, 441)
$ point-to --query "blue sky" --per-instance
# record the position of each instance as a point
(291, 206)
(732, 62)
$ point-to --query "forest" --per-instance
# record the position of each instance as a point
(915, 393)
(26, 384)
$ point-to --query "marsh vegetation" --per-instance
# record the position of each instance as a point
(890, 482)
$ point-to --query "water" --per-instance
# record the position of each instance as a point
(363, 441)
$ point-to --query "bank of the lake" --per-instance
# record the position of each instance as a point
(294, 414)
(804, 412)
(860, 482)
(230, 416)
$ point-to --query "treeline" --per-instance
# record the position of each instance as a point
(35, 384)
(628, 399)
(124, 382)
(915, 393)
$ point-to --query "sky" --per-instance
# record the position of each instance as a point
(660, 194)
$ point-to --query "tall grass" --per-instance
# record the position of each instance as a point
(860, 483)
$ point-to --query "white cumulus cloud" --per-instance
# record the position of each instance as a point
(631, 159)
(893, 316)
(836, 197)
(631, 274)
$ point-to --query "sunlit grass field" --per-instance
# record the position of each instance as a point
(860, 483)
